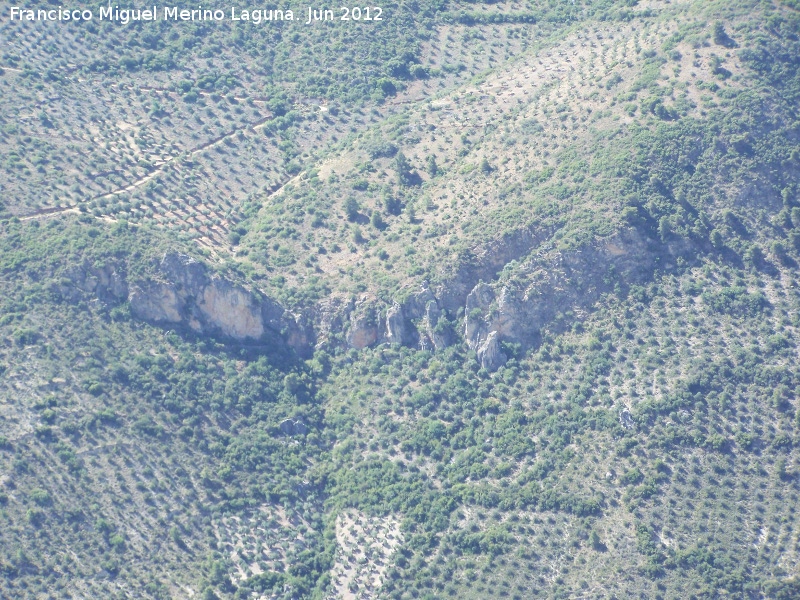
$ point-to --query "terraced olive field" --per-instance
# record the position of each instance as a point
(482, 300)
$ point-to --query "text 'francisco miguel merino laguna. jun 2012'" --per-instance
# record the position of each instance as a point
(176, 13)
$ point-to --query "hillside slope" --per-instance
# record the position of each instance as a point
(502, 302)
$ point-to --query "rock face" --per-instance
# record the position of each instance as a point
(156, 302)
(299, 333)
(435, 335)
(184, 293)
(476, 326)
(490, 355)
(235, 311)
(395, 325)
(557, 282)
(187, 294)
(365, 326)
(107, 283)
(484, 263)
(413, 322)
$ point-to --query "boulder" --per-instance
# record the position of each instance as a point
(293, 427)
(626, 420)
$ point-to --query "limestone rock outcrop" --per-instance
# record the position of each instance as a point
(183, 292)
(547, 283)
(293, 427)
(365, 327)
(234, 310)
(156, 302)
(106, 283)
(436, 334)
(557, 283)
(395, 325)
(490, 355)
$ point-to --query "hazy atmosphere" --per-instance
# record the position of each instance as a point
(421, 300)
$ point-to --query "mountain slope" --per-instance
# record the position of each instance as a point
(507, 308)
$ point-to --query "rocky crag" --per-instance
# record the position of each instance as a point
(184, 293)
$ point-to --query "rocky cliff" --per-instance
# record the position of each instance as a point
(183, 292)
(107, 283)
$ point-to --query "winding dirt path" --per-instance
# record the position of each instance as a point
(57, 210)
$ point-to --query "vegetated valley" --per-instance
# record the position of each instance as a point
(479, 301)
